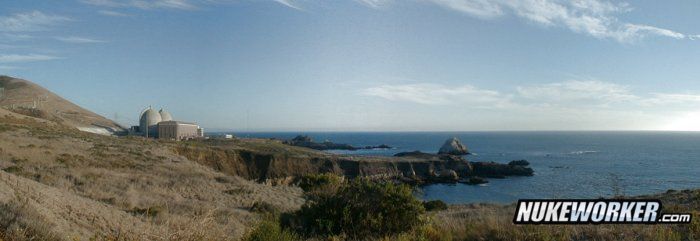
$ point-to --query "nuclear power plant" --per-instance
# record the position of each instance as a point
(160, 124)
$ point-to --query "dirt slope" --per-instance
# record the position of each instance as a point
(31, 99)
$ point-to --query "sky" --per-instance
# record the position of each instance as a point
(366, 65)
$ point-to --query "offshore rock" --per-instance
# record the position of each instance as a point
(453, 147)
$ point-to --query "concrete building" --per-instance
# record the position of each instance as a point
(160, 124)
(178, 130)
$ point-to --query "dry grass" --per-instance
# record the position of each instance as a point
(108, 188)
(494, 222)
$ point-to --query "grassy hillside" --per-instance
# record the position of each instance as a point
(27, 98)
(494, 222)
(71, 184)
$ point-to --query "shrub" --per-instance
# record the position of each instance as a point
(264, 207)
(435, 205)
(315, 182)
(13, 169)
(362, 209)
(150, 212)
(19, 221)
(270, 230)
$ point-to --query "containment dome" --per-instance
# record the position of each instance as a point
(165, 116)
(149, 117)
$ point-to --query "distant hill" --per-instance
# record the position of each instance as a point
(25, 97)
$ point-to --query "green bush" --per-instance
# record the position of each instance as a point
(435, 205)
(270, 230)
(315, 182)
(264, 207)
(361, 209)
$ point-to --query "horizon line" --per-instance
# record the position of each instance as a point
(214, 130)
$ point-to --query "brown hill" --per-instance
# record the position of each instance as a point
(25, 97)
(58, 183)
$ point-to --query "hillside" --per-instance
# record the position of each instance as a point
(28, 98)
(65, 184)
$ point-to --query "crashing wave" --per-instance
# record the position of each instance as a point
(582, 152)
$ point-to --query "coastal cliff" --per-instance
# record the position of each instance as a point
(272, 162)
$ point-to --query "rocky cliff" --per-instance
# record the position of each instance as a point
(279, 164)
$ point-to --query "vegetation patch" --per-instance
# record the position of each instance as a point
(264, 207)
(314, 182)
(237, 191)
(269, 229)
(13, 169)
(20, 222)
(150, 212)
(360, 209)
(435, 205)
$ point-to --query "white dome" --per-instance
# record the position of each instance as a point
(165, 116)
(149, 117)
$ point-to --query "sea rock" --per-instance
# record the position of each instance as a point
(453, 147)
(476, 181)
(449, 175)
(415, 154)
(306, 141)
(302, 139)
(519, 163)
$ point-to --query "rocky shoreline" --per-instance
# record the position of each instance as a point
(448, 168)
(306, 141)
(286, 164)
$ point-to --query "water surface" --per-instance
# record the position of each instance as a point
(566, 164)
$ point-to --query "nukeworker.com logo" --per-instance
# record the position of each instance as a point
(594, 211)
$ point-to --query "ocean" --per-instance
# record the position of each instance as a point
(566, 164)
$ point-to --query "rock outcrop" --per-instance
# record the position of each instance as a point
(453, 147)
(466, 169)
(277, 163)
(519, 163)
(475, 181)
(306, 141)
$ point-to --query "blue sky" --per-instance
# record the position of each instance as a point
(367, 65)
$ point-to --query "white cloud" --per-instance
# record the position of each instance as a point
(478, 8)
(673, 99)
(563, 105)
(21, 58)
(572, 94)
(30, 21)
(113, 13)
(12, 37)
(435, 94)
(168, 4)
(144, 4)
(597, 18)
(586, 92)
(375, 3)
(79, 40)
(288, 3)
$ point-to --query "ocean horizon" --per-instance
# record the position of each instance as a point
(567, 164)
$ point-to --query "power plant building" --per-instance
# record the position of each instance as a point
(178, 130)
(161, 125)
